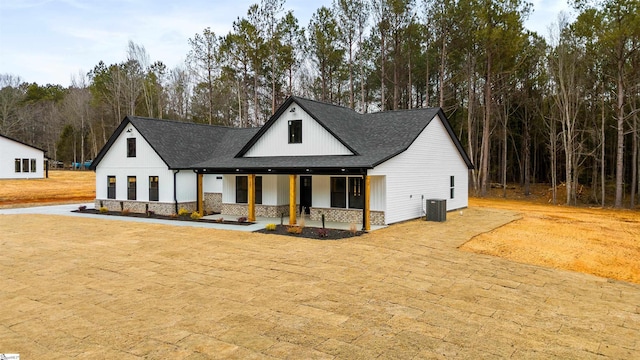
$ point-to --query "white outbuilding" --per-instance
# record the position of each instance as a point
(19, 160)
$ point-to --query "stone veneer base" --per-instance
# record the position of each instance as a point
(160, 208)
(331, 214)
(346, 215)
(272, 211)
(213, 202)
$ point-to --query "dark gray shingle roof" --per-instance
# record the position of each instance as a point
(374, 138)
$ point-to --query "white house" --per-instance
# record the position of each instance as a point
(375, 168)
(19, 160)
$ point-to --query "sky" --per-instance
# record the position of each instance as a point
(51, 41)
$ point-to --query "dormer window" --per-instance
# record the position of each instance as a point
(131, 147)
(295, 131)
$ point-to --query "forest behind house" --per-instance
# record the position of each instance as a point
(558, 108)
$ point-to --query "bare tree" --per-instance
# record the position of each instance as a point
(568, 98)
(10, 97)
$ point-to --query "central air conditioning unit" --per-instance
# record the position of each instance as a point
(436, 210)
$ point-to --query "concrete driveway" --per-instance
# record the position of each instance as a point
(73, 287)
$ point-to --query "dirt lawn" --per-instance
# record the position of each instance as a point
(73, 287)
(596, 241)
(60, 187)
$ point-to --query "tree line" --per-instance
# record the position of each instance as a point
(560, 109)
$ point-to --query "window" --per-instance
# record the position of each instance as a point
(356, 200)
(33, 165)
(153, 188)
(295, 131)
(111, 187)
(131, 188)
(258, 186)
(131, 147)
(25, 165)
(242, 189)
(452, 185)
(18, 167)
(338, 192)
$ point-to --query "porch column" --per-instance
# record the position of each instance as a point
(292, 199)
(367, 212)
(200, 200)
(252, 198)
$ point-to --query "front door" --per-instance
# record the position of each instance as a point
(305, 193)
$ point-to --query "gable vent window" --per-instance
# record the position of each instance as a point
(295, 131)
(131, 147)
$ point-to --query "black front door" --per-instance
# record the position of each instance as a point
(305, 193)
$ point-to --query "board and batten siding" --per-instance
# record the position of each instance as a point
(146, 163)
(10, 151)
(423, 172)
(275, 189)
(212, 183)
(316, 140)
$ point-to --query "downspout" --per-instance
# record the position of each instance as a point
(175, 190)
(364, 207)
(197, 198)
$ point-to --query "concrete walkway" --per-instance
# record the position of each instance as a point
(89, 288)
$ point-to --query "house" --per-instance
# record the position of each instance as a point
(19, 160)
(377, 168)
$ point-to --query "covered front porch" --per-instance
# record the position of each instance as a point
(342, 197)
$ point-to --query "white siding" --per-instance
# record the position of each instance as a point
(212, 183)
(321, 191)
(423, 172)
(10, 151)
(187, 186)
(269, 190)
(229, 189)
(146, 163)
(283, 189)
(316, 140)
(377, 193)
(275, 189)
